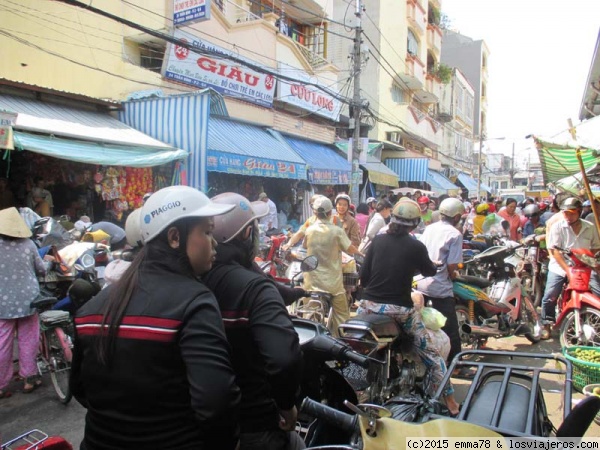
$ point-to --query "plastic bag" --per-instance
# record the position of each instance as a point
(414, 408)
(432, 318)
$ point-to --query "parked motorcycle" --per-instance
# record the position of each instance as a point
(496, 306)
(271, 258)
(577, 307)
(504, 400)
(533, 269)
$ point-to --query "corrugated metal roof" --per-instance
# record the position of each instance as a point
(230, 136)
(409, 169)
(71, 122)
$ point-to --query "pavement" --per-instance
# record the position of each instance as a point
(42, 410)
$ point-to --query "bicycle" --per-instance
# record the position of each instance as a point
(55, 353)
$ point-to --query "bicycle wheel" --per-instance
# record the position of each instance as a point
(59, 362)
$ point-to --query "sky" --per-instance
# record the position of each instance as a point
(540, 57)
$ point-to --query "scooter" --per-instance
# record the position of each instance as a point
(533, 268)
(496, 306)
(578, 308)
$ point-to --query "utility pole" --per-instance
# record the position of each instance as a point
(512, 167)
(357, 107)
(479, 164)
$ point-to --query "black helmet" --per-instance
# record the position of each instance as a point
(571, 203)
(531, 210)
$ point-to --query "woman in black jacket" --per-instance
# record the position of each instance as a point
(151, 362)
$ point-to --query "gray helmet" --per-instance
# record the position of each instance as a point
(227, 226)
(406, 212)
(531, 210)
(571, 203)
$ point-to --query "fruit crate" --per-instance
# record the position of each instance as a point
(584, 372)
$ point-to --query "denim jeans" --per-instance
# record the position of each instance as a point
(554, 284)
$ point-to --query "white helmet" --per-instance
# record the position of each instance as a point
(406, 212)
(172, 203)
(452, 207)
(342, 197)
(132, 228)
(228, 225)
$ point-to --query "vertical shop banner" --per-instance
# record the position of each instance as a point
(7, 120)
(307, 96)
(189, 11)
(249, 165)
(209, 71)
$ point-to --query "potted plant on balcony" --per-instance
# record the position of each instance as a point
(442, 72)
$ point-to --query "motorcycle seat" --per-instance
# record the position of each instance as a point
(383, 326)
(475, 281)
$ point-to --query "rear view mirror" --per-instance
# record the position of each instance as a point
(505, 225)
(309, 264)
(87, 261)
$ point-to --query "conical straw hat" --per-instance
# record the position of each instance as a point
(12, 224)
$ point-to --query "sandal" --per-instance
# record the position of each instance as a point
(465, 373)
(34, 382)
(5, 394)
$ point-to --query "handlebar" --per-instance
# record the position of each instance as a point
(327, 414)
(331, 349)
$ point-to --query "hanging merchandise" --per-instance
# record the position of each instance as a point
(139, 182)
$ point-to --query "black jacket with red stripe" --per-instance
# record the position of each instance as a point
(265, 350)
(170, 384)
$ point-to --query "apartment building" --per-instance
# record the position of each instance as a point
(590, 104)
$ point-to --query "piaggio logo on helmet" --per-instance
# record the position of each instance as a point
(160, 210)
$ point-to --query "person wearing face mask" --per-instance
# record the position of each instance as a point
(265, 349)
(444, 244)
(151, 361)
(568, 232)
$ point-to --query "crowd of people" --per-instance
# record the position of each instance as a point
(193, 347)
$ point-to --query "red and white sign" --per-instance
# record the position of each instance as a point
(308, 97)
(225, 76)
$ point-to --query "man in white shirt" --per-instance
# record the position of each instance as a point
(567, 233)
(444, 244)
(270, 220)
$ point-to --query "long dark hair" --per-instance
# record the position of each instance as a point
(397, 229)
(122, 291)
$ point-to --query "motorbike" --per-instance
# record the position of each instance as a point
(504, 400)
(496, 306)
(533, 269)
(322, 381)
(271, 258)
(36, 439)
(578, 308)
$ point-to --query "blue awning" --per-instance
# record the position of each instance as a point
(324, 165)
(468, 183)
(88, 152)
(246, 149)
(486, 188)
(409, 169)
(378, 172)
(440, 184)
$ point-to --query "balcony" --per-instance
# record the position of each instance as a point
(431, 91)
(414, 74)
(416, 16)
(434, 39)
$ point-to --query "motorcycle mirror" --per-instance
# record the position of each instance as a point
(79, 268)
(309, 264)
(505, 225)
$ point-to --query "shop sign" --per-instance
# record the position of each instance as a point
(188, 11)
(222, 75)
(8, 118)
(308, 97)
(6, 137)
(328, 176)
(249, 165)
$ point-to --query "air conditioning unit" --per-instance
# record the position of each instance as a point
(394, 136)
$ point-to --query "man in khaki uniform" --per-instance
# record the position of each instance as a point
(327, 242)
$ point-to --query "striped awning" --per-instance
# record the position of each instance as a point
(409, 169)
(378, 172)
(179, 120)
(440, 184)
(560, 160)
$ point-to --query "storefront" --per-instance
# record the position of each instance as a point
(87, 160)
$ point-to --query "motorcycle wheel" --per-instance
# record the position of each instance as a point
(467, 340)
(530, 317)
(589, 316)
